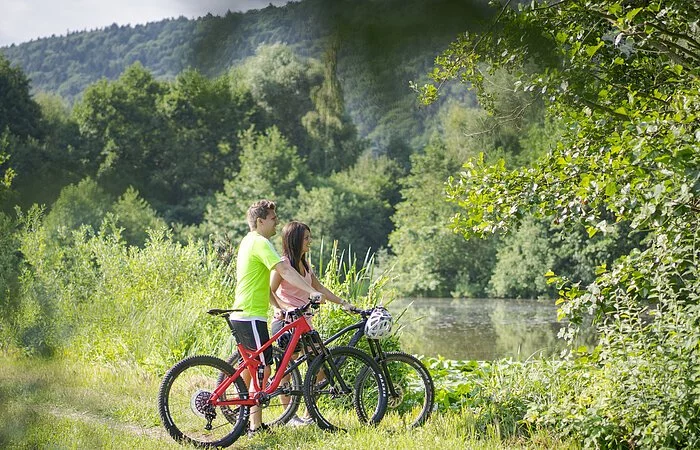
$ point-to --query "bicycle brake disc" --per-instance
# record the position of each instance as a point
(199, 403)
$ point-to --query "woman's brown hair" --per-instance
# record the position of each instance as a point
(293, 244)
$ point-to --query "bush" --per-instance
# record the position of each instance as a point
(89, 296)
(9, 281)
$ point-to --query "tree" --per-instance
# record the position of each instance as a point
(20, 118)
(334, 142)
(136, 217)
(126, 139)
(281, 83)
(522, 260)
(55, 159)
(622, 76)
(19, 113)
(204, 119)
(431, 259)
(353, 206)
(84, 203)
(270, 168)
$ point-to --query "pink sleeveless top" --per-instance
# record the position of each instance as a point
(291, 297)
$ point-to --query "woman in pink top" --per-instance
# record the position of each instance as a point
(296, 241)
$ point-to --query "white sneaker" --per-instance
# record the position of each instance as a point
(296, 421)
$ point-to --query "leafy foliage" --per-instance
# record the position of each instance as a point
(523, 259)
(9, 279)
(384, 44)
(82, 204)
(136, 218)
(623, 78)
(19, 113)
(352, 206)
(270, 168)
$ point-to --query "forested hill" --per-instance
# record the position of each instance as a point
(382, 45)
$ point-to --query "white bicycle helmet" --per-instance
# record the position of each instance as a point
(378, 323)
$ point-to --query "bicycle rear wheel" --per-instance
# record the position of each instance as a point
(331, 387)
(184, 408)
(282, 407)
(409, 387)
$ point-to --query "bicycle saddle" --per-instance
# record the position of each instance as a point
(222, 312)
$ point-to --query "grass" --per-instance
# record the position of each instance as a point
(56, 404)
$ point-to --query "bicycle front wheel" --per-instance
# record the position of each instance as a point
(409, 387)
(332, 386)
(183, 403)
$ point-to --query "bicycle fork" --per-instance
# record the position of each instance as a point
(330, 367)
(378, 355)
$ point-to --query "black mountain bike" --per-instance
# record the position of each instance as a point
(410, 387)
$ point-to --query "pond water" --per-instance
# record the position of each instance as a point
(481, 329)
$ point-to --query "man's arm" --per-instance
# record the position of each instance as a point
(292, 276)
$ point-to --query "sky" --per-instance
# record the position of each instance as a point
(24, 20)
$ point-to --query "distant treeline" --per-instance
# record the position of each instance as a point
(381, 46)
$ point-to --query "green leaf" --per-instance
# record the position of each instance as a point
(592, 49)
(591, 231)
(632, 14)
(610, 189)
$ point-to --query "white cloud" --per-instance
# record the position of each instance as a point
(22, 20)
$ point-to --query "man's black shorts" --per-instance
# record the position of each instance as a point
(286, 337)
(252, 334)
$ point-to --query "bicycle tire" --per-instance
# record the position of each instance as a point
(276, 412)
(410, 390)
(332, 402)
(183, 408)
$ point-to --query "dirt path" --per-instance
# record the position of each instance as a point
(88, 418)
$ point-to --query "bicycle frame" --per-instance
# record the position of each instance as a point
(251, 362)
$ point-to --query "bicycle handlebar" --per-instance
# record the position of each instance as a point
(298, 312)
(362, 312)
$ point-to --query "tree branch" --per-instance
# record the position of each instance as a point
(606, 109)
(675, 57)
(685, 37)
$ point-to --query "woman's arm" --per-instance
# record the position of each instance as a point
(275, 280)
(327, 293)
(274, 301)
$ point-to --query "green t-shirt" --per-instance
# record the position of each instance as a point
(256, 258)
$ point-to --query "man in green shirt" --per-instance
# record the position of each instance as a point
(256, 259)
